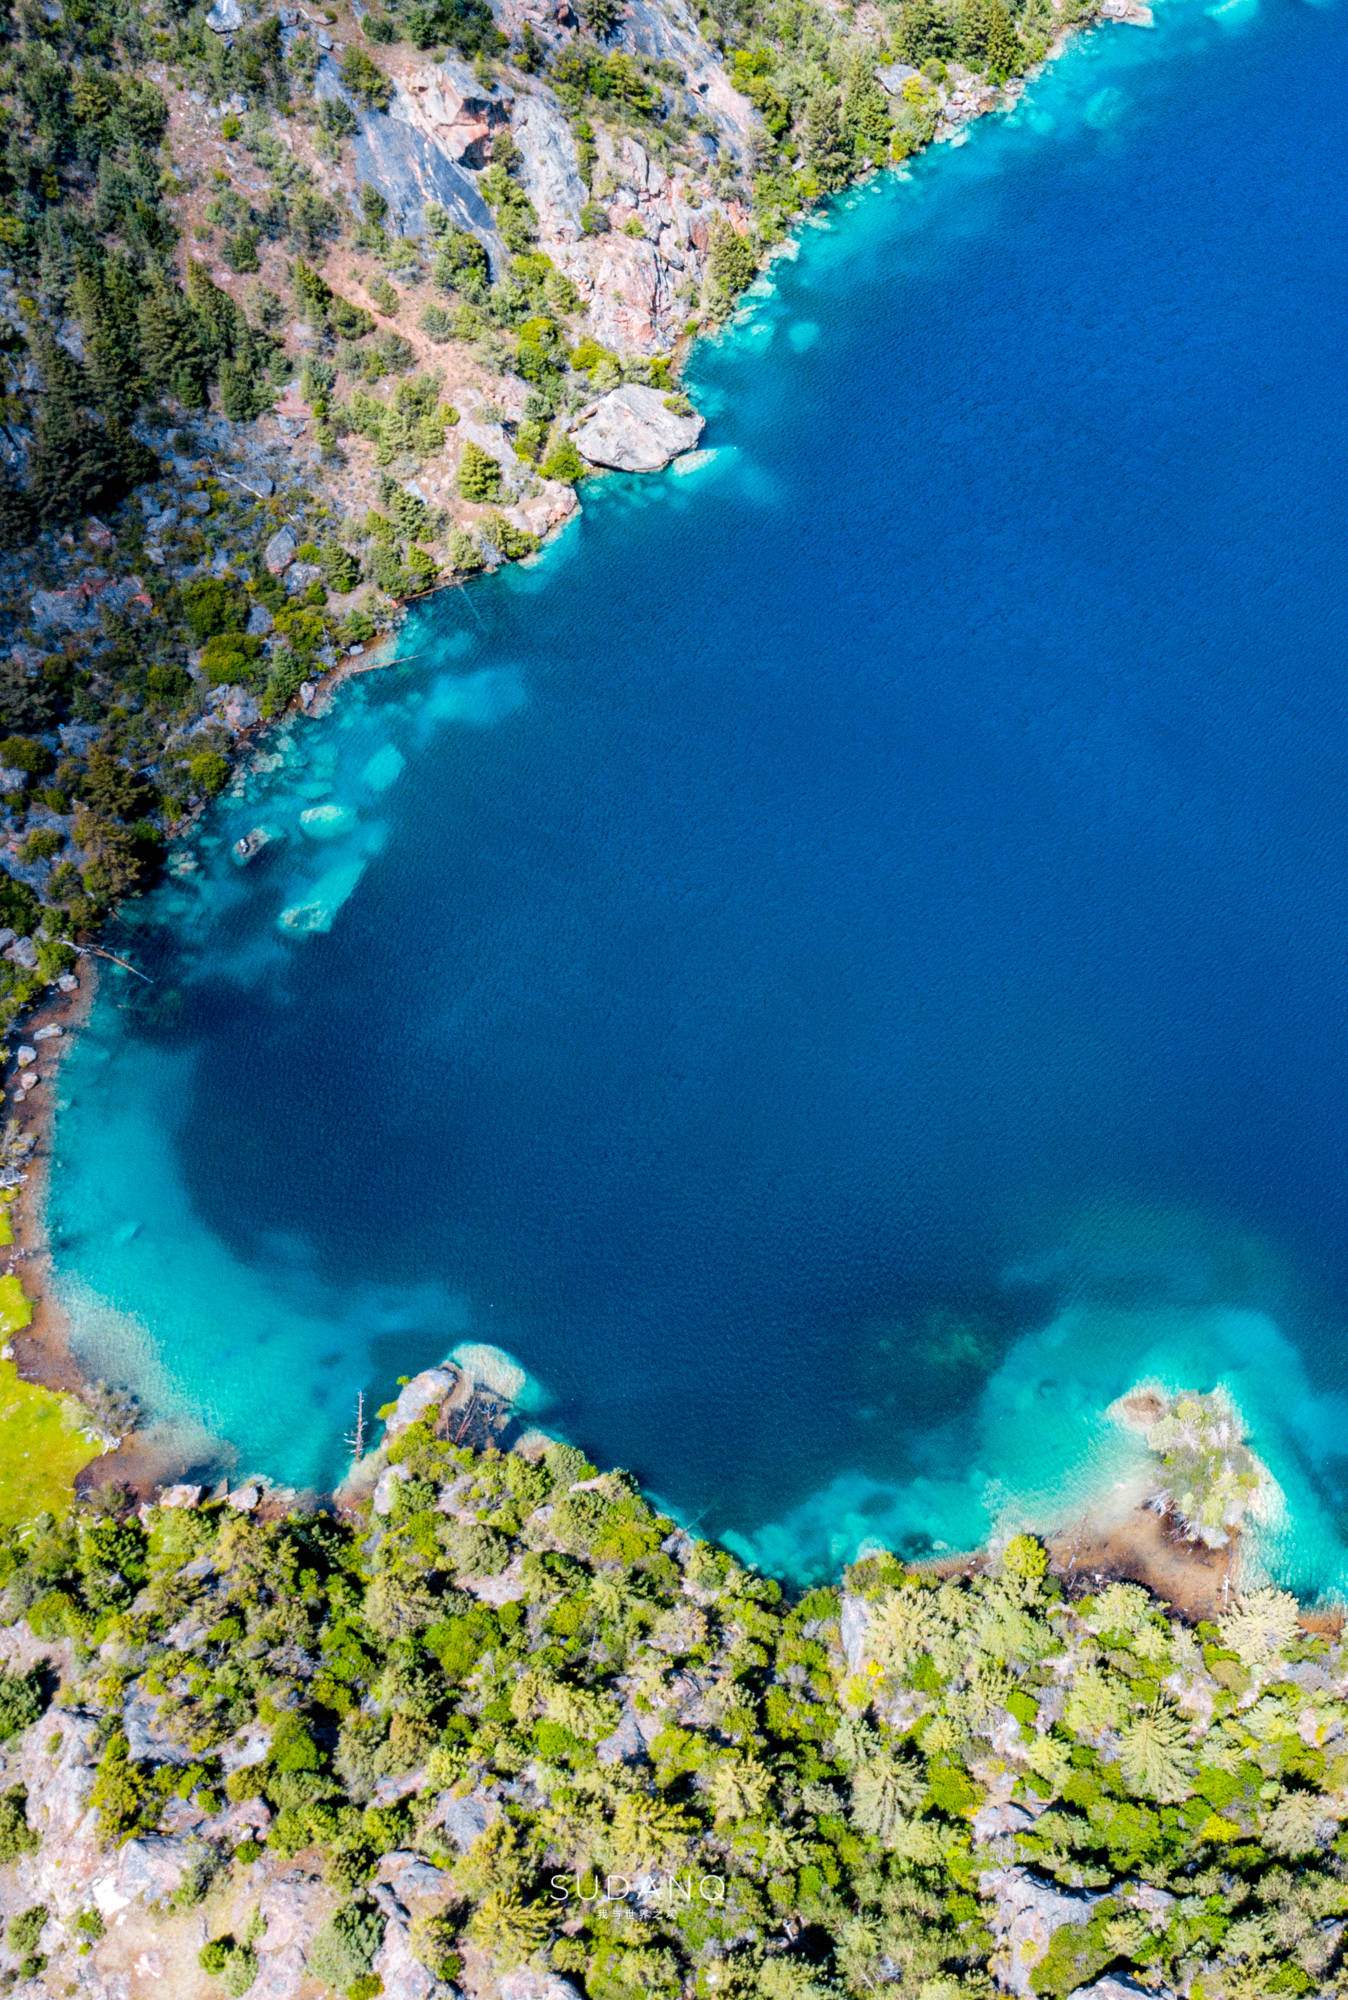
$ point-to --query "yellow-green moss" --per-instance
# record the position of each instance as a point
(15, 1311)
(44, 1442)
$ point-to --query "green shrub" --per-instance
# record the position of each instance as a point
(25, 753)
(211, 606)
(16, 1836)
(229, 658)
(24, 1932)
(438, 323)
(209, 772)
(41, 844)
(464, 554)
(343, 1950)
(169, 680)
(564, 462)
(364, 78)
(233, 1963)
(22, 1696)
(124, 1794)
(433, 1941)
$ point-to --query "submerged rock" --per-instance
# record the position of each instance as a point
(492, 1368)
(251, 843)
(327, 822)
(633, 430)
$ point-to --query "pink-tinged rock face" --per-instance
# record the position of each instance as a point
(446, 104)
(629, 289)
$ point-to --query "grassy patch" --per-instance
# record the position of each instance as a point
(15, 1311)
(42, 1446)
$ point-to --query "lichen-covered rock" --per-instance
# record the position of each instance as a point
(146, 1870)
(446, 102)
(386, 1488)
(1028, 1912)
(551, 169)
(538, 513)
(405, 1977)
(633, 429)
(628, 288)
(466, 1819)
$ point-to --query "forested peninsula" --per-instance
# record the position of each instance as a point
(496, 1727)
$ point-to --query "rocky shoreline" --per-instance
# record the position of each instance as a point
(428, 144)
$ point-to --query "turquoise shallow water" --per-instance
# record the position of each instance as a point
(838, 966)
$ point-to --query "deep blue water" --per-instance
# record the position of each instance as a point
(840, 967)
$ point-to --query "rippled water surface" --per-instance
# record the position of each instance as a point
(839, 967)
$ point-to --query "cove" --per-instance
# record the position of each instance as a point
(839, 966)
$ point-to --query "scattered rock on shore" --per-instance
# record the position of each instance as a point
(633, 429)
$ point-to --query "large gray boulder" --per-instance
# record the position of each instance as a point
(424, 1392)
(280, 551)
(632, 429)
(147, 1870)
(465, 1820)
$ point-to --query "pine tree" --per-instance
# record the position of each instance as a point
(222, 324)
(107, 299)
(171, 349)
(1005, 51)
(925, 32)
(988, 39)
(865, 110)
(826, 150)
(74, 466)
